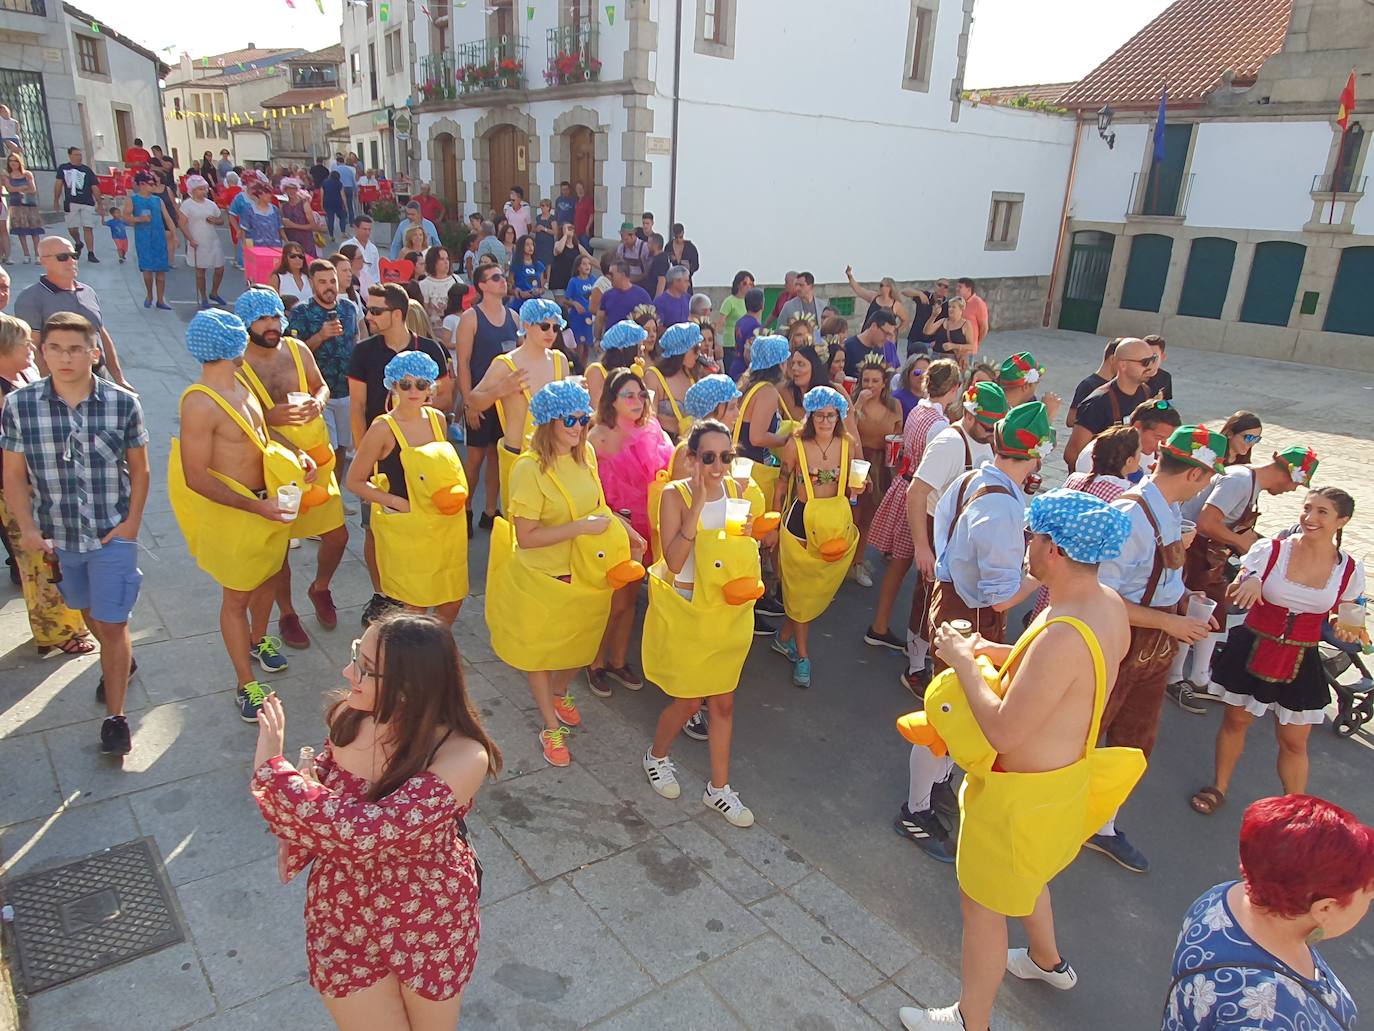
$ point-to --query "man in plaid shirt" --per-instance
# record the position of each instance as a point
(76, 478)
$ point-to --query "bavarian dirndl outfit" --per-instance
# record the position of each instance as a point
(1270, 662)
(890, 532)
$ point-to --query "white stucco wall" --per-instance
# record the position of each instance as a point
(1256, 175)
(1102, 185)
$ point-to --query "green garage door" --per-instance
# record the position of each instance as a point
(1146, 271)
(1207, 277)
(1352, 301)
(1273, 284)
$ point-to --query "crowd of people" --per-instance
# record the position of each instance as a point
(735, 468)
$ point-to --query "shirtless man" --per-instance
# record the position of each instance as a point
(1043, 722)
(485, 330)
(212, 441)
(514, 378)
(274, 367)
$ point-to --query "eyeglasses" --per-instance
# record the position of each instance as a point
(576, 420)
(377, 311)
(709, 457)
(548, 327)
(825, 415)
(63, 256)
(414, 384)
(355, 659)
(1252, 438)
(632, 395)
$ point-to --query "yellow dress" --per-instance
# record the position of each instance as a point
(238, 549)
(543, 622)
(813, 570)
(696, 648)
(505, 457)
(766, 476)
(1019, 830)
(422, 555)
(684, 421)
(325, 511)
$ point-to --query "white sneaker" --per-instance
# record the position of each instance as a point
(727, 803)
(860, 576)
(930, 1020)
(294, 543)
(1020, 963)
(661, 776)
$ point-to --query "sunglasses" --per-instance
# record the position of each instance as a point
(1252, 438)
(576, 420)
(1142, 361)
(548, 327)
(709, 457)
(64, 256)
(355, 651)
(413, 384)
(377, 311)
(632, 395)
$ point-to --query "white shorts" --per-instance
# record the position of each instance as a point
(82, 216)
(336, 418)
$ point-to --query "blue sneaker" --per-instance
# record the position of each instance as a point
(801, 673)
(249, 700)
(219, 300)
(787, 649)
(269, 656)
(1117, 848)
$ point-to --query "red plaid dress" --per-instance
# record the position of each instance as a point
(393, 889)
(890, 533)
(1108, 488)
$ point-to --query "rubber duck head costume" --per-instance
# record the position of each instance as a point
(409, 365)
(258, 304)
(825, 397)
(540, 309)
(622, 336)
(679, 339)
(708, 393)
(559, 399)
(1301, 462)
(215, 335)
(768, 352)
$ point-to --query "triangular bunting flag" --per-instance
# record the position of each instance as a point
(610, 14)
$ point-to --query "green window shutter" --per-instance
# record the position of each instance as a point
(1146, 270)
(1273, 284)
(1207, 277)
(1351, 309)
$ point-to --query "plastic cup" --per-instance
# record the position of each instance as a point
(1187, 526)
(736, 514)
(289, 501)
(850, 382)
(962, 627)
(1350, 617)
(1201, 608)
(858, 471)
(893, 450)
(296, 398)
(742, 468)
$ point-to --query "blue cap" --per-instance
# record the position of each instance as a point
(557, 399)
(258, 304)
(412, 364)
(1083, 526)
(541, 309)
(768, 351)
(822, 397)
(708, 393)
(215, 334)
(623, 335)
(679, 339)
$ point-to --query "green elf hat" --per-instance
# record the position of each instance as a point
(1024, 433)
(1197, 445)
(985, 402)
(1301, 462)
(1020, 368)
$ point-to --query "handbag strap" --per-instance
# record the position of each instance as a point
(1291, 975)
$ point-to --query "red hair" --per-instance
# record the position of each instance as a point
(1298, 849)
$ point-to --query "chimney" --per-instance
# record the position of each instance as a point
(252, 46)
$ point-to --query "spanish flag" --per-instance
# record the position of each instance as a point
(1347, 103)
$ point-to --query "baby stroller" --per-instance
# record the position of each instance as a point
(1355, 701)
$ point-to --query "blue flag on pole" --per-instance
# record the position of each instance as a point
(1159, 124)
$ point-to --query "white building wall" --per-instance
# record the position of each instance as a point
(131, 82)
(1102, 185)
(1256, 175)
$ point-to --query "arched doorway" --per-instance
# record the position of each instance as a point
(444, 168)
(508, 164)
(581, 144)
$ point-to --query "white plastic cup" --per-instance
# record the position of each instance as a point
(1186, 526)
(289, 501)
(736, 514)
(858, 471)
(742, 468)
(1350, 617)
(1201, 608)
(297, 398)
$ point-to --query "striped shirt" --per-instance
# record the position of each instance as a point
(75, 457)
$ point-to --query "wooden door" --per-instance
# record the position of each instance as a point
(1085, 285)
(507, 163)
(445, 170)
(582, 157)
(124, 131)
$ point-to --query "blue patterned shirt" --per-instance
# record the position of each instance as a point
(334, 355)
(75, 457)
(1242, 994)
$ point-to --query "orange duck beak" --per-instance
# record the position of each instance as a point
(450, 500)
(622, 574)
(313, 496)
(766, 524)
(835, 549)
(322, 455)
(743, 591)
(917, 729)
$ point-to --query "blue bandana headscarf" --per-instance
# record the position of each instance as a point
(409, 364)
(821, 397)
(215, 334)
(557, 399)
(679, 339)
(623, 335)
(766, 352)
(541, 309)
(258, 304)
(1084, 527)
(708, 393)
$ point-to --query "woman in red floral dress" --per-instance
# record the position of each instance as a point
(391, 908)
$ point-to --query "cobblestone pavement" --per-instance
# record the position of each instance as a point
(605, 905)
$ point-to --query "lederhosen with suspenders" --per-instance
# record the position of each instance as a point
(1131, 718)
(1204, 566)
(918, 622)
(945, 603)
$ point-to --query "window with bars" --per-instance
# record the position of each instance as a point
(920, 46)
(1004, 221)
(90, 55)
(22, 92)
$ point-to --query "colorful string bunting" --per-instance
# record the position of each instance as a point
(610, 14)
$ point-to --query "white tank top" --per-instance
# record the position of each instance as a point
(712, 518)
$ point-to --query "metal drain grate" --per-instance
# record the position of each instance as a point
(106, 909)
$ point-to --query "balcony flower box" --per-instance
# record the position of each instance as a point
(567, 68)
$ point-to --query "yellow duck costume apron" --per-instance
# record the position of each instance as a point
(541, 622)
(505, 457)
(326, 510)
(422, 555)
(239, 550)
(757, 503)
(697, 648)
(1019, 830)
(766, 476)
(684, 421)
(813, 569)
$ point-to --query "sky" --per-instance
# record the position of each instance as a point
(1014, 42)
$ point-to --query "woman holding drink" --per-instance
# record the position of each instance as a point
(877, 416)
(1270, 662)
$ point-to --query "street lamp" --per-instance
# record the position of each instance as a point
(1104, 125)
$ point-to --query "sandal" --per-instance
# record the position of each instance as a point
(81, 645)
(1208, 800)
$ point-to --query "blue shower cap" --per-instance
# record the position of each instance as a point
(820, 397)
(257, 304)
(409, 364)
(557, 399)
(678, 339)
(708, 393)
(541, 309)
(767, 352)
(623, 335)
(1083, 526)
(215, 334)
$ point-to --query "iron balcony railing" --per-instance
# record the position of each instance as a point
(572, 54)
(484, 64)
(1345, 183)
(1146, 199)
(37, 7)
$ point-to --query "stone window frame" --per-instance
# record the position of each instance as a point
(925, 60)
(724, 46)
(99, 49)
(393, 64)
(1013, 223)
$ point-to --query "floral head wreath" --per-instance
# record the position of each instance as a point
(643, 310)
(805, 317)
(875, 361)
(823, 349)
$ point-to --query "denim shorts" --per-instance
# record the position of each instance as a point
(105, 582)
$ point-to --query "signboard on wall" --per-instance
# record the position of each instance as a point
(402, 124)
(660, 145)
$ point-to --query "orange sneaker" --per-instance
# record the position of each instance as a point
(555, 746)
(566, 709)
